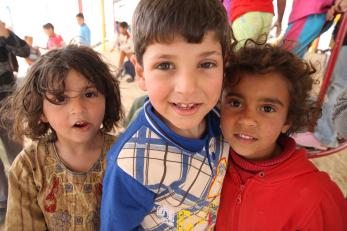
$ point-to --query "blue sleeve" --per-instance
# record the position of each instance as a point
(125, 202)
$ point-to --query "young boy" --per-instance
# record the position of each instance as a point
(167, 169)
(54, 40)
(269, 184)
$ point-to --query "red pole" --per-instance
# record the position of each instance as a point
(80, 7)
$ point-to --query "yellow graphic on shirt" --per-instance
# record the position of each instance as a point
(203, 223)
(217, 182)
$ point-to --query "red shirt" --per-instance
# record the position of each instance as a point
(55, 41)
(288, 195)
(240, 7)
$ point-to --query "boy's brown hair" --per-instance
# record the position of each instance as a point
(48, 26)
(160, 21)
(47, 75)
(261, 59)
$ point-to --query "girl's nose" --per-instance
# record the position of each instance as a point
(77, 105)
(248, 118)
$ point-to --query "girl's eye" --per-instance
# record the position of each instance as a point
(58, 99)
(91, 94)
(235, 103)
(267, 108)
(207, 65)
(165, 66)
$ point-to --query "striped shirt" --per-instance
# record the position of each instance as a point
(158, 180)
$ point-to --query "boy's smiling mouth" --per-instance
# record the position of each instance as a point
(185, 106)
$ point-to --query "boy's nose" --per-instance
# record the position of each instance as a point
(186, 82)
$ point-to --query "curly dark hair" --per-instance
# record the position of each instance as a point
(47, 75)
(261, 59)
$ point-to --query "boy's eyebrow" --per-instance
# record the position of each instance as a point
(161, 56)
(266, 99)
(168, 56)
(208, 53)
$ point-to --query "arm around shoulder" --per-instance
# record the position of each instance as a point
(23, 211)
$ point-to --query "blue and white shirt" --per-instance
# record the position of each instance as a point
(158, 180)
(84, 36)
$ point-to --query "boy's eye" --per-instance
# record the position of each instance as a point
(207, 65)
(165, 66)
(267, 108)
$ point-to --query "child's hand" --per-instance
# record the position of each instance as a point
(278, 26)
(4, 32)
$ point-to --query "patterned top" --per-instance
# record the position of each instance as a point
(124, 43)
(340, 111)
(158, 180)
(45, 195)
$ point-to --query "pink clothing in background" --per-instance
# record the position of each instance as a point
(303, 8)
(227, 5)
(55, 41)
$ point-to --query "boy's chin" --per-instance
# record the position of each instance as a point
(189, 130)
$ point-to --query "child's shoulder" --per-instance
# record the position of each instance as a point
(109, 139)
(34, 155)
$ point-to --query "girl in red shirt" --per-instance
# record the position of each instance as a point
(270, 184)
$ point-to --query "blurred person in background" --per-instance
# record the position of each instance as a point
(84, 34)
(124, 44)
(54, 40)
(253, 19)
(10, 47)
(34, 50)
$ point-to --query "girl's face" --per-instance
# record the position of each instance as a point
(77, 114)
(254, 113)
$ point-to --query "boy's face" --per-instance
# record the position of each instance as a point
(183, 81)
(254, 113)
(48, 32)
(79, 20)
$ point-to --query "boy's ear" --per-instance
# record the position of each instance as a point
(139, 73)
